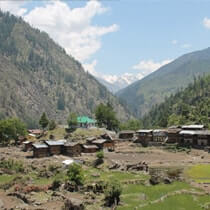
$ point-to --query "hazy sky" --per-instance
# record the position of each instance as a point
(114, 37)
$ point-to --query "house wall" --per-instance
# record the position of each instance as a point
(126, 135)
(41, 152)
(73, 150)
(173, 138)
(89, 150)
(55, 150)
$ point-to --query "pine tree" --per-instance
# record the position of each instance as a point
(43, 121)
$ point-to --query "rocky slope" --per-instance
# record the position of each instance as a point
(36, 75)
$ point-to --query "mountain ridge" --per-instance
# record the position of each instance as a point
(40, 76)
(142, 95)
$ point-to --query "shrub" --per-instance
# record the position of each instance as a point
(112, 193)
(100, 155)
(56, 184)
(52, 125)
(75, 174)
(12, 165)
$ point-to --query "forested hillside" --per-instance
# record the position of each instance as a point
(36, 75)
(142, 95)
(191, 105)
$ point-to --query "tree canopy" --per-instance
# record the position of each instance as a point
(72, 120)
(191, 105)
(132, 124)
(75, 174)
(11, 129)
(106, 116)
(43, 121)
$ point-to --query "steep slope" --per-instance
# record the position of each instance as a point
(142, 95)
(37, 75)
(191, 105)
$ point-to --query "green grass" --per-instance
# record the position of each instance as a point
(177, 202)
(4, 179)
(133, 195)
(107, 175)
(41, 181)
(199, 173)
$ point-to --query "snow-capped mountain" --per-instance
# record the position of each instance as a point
(114, 83)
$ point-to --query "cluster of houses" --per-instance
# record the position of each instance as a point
(188, 135)
(56, 147)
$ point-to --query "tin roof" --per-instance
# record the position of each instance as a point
(99, 141)
(35, 131)
(54, 143)
(85, 119)
(203, 132)
(187, 132)
(39, 146)
(71, 144)
(90, 146)
(192, 126)
(144, 131)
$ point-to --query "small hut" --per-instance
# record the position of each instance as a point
(104, 144)
(55, 147)
(127, 135)
(72, 149)
(40, 150)
(143, 136)
(173, 135)
(203, 137)
(89, 148)
(187, 137)
(27, 145)
(159, 135)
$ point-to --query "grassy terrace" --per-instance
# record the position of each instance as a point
(175, 196)
(137, 195)
(108, 175)
(199, 173)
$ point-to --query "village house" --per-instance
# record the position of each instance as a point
(89, 140)
(196, 138)
(85, 122)
(27, 145)
(126, 135)
(104, 144)
(173, 135)
(72, 149)
(89, 148)
(55, 147)
(40, 150)
(160, 135)
(203, 137)
(144, 136)
(187, 137)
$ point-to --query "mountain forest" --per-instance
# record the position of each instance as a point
(188, 106)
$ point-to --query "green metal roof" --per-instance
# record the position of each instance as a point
(85, 119)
